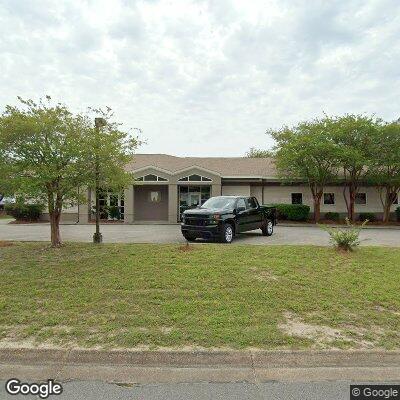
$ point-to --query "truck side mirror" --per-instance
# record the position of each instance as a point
(240, 209)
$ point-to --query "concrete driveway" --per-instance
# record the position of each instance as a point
(120, 233)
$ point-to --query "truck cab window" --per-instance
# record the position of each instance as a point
(241, 203)
(250, 203)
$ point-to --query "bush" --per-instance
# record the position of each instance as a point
(292, 212)
(24, 212)
(332, 216)
(345, 238)
(114, 212)
(366, 216)
(398, 214)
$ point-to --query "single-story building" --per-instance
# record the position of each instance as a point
(167, 185)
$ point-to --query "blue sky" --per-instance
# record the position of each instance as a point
(204, 78)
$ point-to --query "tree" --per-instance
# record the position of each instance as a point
(109, 151)
(5, 176)
(354, 136)
(42, 145)
(258, 153)
(385, 166)
(305, 152)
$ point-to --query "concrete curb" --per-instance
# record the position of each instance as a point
(232, 359)
(393, 227)
(149, 367)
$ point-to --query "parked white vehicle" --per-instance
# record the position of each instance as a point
(5, 200)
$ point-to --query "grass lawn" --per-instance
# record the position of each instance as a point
(128, 295)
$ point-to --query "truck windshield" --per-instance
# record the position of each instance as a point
(219, 202)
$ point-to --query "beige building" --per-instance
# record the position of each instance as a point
(166, 185)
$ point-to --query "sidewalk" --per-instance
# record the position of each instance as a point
(146, 367)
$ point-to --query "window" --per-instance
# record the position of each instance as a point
(361, 199)
(151, 178)
(250, 203)
(241, 203)
(194, 178)
(297, 198)
(329, 198)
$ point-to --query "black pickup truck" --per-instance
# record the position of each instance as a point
(222, 217)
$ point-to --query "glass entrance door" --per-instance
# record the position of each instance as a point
(115, 206)
(194, 200)
(111, 206)
(192, 196)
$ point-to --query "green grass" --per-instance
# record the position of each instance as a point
(123, 295)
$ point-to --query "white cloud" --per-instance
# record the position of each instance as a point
(204, 77)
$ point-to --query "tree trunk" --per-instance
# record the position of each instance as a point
(390, 198)
(352, 200)
(317, 193)
(54, 203)
(55, 229)
(317, 209)
(386, 212)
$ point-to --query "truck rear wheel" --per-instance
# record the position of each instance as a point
(268, 228)
(227, 233)
(189, 237)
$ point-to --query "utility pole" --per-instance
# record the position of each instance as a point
(98, 123)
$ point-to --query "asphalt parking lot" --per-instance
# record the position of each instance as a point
(120, 233)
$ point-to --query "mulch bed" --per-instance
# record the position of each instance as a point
(3, 243)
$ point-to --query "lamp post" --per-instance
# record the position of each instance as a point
(98, 123)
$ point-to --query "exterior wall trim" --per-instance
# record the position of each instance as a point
(166, 171)
(194, 166)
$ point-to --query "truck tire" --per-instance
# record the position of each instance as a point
(189, 237)
(227, 233)
(268, 228)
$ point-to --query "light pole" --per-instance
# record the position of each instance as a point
(98, 123)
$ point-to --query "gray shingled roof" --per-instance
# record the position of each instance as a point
(224, 166)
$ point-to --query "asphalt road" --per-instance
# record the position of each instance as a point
(81, 390)
(120, 233)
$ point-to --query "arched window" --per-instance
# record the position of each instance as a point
(151, 178)
(194, 178)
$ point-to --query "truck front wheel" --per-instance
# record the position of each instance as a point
(227, 233)
(267, 228)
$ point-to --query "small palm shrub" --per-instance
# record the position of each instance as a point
(345, 238)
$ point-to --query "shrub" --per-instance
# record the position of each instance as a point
(24, 212)
(332, 216)
(345, 238)
(114, 212)
(366, 216)
(398, 214)
(292, 212)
